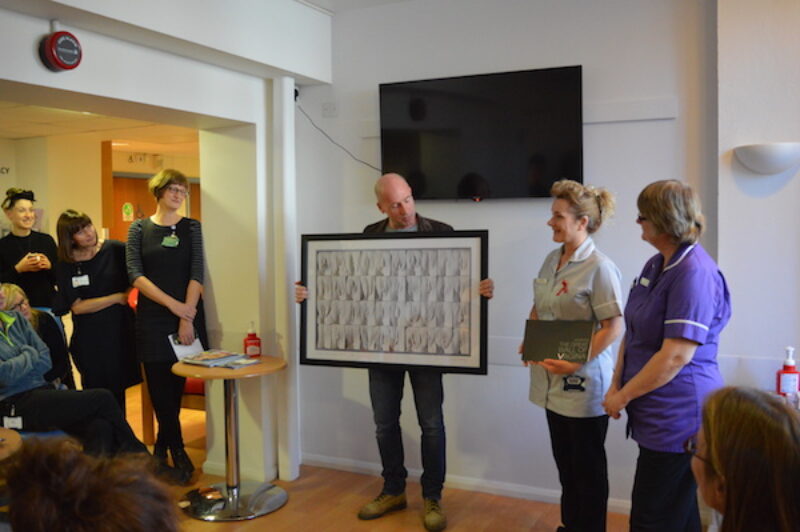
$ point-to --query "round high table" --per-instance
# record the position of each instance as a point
(233, 500)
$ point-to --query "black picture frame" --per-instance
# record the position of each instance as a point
(395, 300)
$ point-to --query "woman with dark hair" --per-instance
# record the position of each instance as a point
(667, 361)
(746, 460)
(54, 485)
(578, 282)
(27, 256)
(60, 374)
(93, 284)
(165, 262)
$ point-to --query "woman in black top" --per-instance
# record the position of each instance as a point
(27, 256)
(60, 374)
(165, 262)
(93, 284)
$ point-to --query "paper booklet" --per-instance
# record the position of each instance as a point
(558, 339)
(212, 358)
(183, 351)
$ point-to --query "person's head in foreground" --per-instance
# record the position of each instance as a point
(54, 485)
(747, 460)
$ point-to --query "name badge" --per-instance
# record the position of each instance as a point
(80, 280)
(644, 281)
(12, 422)
(170, 241)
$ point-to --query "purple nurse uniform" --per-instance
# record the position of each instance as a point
(686, 299)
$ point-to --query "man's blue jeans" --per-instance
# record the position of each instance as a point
(386, 393)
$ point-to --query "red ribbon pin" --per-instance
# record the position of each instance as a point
(563, 289)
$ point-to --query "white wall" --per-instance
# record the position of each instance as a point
(646, 101)
(122, 71)
(284, 34)
(150, 163)
(759, 230)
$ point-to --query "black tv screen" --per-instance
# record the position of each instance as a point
(505, 135)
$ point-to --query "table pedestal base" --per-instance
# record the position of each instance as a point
(219, 503)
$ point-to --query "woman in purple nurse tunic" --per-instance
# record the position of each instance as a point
(667, 361)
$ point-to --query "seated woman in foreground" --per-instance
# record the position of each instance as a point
(28, 402)
(48, 330)
(746, 460)
(53, 485)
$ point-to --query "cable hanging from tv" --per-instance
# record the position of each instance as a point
(348, 152)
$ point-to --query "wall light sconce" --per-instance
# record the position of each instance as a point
(769, 159)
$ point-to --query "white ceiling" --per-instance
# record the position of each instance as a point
(19, 121)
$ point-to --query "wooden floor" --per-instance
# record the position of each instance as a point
(328, 500)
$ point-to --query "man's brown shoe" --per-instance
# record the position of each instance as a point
(382, 504)
(434, 519)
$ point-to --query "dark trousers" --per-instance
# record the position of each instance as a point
(664, 493)
(386, 393)
(580, 453)
(92, 416)
(166, 390)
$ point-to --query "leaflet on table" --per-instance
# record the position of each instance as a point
(558, 339)
(183, 351)
(240, 362)
(212, 358)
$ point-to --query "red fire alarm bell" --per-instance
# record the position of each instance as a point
(60, 50)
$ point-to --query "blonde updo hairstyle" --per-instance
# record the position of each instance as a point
(597, 204)
(673, 208)
(159, 182)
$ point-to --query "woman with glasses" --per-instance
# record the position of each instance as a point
(667, 361)
(27, 257)
(60, 373)
(93, 285)
(165, 262)
(746, 459)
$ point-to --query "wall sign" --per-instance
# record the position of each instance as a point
(60, 51)
(127, 211)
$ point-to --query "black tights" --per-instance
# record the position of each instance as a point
(166, 390)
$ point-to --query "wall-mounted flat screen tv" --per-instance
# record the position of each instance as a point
(505, 135)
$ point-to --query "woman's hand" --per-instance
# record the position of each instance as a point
(526, 363)
(120, 298)
(486, 288)
(182, 310)
(28, 263)
(300, 292)
(186, 332)
(43, 263)
(614, 402)
(560, 367)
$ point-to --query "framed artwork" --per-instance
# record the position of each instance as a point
(395, 300)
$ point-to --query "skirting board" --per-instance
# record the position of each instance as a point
(505, 489)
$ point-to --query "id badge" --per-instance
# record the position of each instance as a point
(170, 241)
(80, 280)
(12, 422)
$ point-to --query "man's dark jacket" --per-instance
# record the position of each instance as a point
(424, 225)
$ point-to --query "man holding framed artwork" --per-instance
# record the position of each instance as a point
(396, 201)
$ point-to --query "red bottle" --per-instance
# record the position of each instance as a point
(787, 380)
(252, 343)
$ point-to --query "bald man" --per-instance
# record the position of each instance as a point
(396, 201)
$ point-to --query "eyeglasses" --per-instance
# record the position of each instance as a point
(690, 447)
(640, 219)
(175, 189)
(20, 304)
